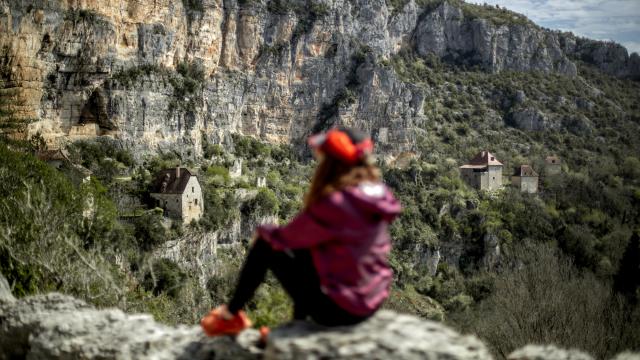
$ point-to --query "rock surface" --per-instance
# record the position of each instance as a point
(168, 74)
(449, 33)
(529, 119)
(627, 355)
(5, 291)
(547, 352)
(56, 326)
(387, 336)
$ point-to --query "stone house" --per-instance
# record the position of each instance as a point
(483, 172)
(55, 157)
(59, 159)
(178, 192)
(526, 179)
(552, 165)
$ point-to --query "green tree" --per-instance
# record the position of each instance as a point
(164, 276)
(265, 203)
(149, 231)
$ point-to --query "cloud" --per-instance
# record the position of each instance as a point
(632, 46)
(617, 20)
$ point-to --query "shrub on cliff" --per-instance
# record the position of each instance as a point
(164, 276)
(149, 231)
(50, 238)
(104, 157)
(193, 5)
(249, 148)
(220, 208)
(265, 203)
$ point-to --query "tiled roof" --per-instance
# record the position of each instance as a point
(483, 158)
(473, 167)
(524, 170)
(173, 184)
(52, 155)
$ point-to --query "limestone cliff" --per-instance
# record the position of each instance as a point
(166, 73)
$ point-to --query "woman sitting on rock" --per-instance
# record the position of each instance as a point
(331, 259)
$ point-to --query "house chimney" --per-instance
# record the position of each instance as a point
(178, 172)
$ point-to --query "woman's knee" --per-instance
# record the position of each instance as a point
(261, 245)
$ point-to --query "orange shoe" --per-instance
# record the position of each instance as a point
(264, 335)
(214, 324)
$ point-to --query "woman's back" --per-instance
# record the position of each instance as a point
(346, 232)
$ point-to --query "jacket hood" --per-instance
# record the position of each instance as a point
(374, 199)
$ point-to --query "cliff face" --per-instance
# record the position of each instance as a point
(164, 73)
(519, 46)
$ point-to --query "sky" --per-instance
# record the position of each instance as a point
(617, 20)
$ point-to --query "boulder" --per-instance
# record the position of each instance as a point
(492, 251)
(529, 119)
(387, 335)
(584, 104)
(5, 291)
(56, 326)
(627, 355)
(547, 352)
(520, 97)
(579, 124)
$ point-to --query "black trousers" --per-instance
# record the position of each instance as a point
(297, 274)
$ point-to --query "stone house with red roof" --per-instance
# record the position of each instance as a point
(526, 179)
(178, 192)
(483, 172)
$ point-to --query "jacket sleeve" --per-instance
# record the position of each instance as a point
(303, 231)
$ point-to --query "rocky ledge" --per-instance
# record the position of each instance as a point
(56, 326)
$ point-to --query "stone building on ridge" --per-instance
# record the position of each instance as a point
(483, 172)
(525, 179)
(178, 192)
(552, 165)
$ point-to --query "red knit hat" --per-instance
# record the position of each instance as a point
(346, 145)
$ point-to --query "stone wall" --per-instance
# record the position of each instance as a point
(192, 201)
(171, 203)
(494, 178)
(526, 184)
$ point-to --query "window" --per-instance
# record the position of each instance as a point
(176, 200)
(196, 201)
(192, 189)
(492, 158)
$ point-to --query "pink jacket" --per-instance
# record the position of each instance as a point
(347, 235)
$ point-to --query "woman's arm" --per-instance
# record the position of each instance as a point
(304, 231)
